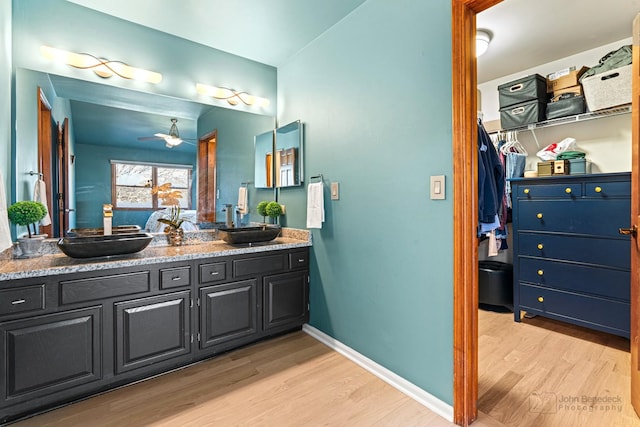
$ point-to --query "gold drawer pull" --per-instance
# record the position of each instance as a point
(526, 191)
(540, 299)
(539, 216)
(540, 272)
(598, 189)
(540, 246)
(567, 190)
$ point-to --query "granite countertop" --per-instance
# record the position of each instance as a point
(58, 263)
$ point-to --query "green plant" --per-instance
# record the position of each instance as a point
(262, 209)
(273, 209)
(27, 213)
(174, 221)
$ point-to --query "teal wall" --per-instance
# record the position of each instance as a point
(5, 101)
(234, 156)
(374, 93)
(93, 181)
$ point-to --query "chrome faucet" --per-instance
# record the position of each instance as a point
(228, 220)
(238, 217)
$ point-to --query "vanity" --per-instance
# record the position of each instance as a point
(73, 328)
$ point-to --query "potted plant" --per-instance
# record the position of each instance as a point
(262, 210)
(28, 213)
(273, 210)
(169, 197)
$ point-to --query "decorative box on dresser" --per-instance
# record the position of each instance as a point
(571, 263)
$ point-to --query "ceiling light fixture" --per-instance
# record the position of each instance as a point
(483, 38)
(102, 67)
(233, 97)
(173, 139)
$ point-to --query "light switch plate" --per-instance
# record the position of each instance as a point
(437, 187)
(335, 191)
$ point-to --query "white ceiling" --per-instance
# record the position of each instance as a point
(527, 33)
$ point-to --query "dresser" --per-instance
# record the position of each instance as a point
(570, 261)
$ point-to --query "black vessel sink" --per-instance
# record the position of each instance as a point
(97, 246)
(262, 233)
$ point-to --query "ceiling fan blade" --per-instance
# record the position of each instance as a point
(149, 138)
(162, 135)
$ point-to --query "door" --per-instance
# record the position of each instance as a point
(207, 177)
(635, 221)
(285, 301)
(47, 137)
(64, 179)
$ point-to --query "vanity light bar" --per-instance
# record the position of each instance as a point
(102, 67)
(233, 97)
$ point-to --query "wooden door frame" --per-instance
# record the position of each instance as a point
(465, 209)
(635, 220)
(45, 156)
(207, 181)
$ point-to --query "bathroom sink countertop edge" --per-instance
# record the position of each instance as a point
(55, 264)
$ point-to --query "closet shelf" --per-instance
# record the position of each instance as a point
(614, 111)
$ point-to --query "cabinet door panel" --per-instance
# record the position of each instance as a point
(228, 312)
(285, 300)
(46, 354)
(150, 330)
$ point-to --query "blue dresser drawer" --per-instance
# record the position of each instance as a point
(582, 278)
(537, 191)
(603, 190)
(592, 250)
(585, 216)
(598, 313)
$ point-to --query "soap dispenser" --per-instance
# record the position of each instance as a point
(107, 214)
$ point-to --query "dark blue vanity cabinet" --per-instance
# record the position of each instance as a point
(570, 261)
(66, 337)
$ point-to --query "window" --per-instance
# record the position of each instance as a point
(131, 184)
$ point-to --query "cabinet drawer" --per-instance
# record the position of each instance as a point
(213, 272)
(575, 277)
(603, 190)
(258, 265)
(586, 310)
(21, 300)
(175, 277)
(96, 288)
(591, 250)
(587, 216)
(538, 191)
(298, 259)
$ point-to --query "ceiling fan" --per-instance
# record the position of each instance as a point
(171, 140)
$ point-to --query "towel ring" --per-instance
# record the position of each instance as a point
(317, 176)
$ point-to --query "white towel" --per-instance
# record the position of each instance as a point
(243, 206)
(40, 195)
(315, 205)
(5, 233)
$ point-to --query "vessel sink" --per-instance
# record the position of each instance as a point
(262, 233)
(97, 246)
(116, 229)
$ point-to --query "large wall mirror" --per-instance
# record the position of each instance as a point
(106, 124)
(279, 157)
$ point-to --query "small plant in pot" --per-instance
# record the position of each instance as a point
(28, 213)
(273, 210)
(262, 210)
(169, 197)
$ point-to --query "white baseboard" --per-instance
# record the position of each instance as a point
(416, 393)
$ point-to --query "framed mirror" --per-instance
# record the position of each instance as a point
(264, 160)
(288, 165)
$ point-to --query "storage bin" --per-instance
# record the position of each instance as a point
(566, 107)
(579, 166)
(545, 168)
(533, 87)
(495, 283)
(564, 78)
(523, 114)
(608, 89)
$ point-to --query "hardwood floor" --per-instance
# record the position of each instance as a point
(545, 373)
(529, 375)
(292, 380)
